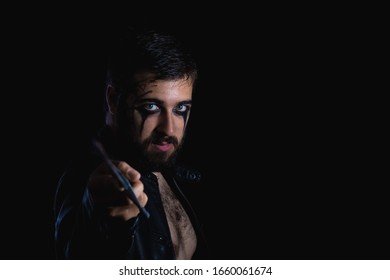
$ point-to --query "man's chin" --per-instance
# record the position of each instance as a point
(158, 166)
(157, 160)
(160, 161)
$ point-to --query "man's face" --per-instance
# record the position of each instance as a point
(159, 113)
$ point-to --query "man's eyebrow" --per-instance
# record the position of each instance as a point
(160, 102)
(152, 100)
(185, 102)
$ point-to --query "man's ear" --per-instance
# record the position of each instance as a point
(111, 99)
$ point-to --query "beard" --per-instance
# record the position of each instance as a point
(155, 160)
(142, 156)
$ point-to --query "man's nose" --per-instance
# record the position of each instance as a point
(167, 123)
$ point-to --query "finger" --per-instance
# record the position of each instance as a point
(104, 168)
(131, 173)
(124, 213)
(143, 199)
(129, 211)
(113, 198)
(138, 188)
(107, 195)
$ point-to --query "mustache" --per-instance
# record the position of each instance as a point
(156, 138)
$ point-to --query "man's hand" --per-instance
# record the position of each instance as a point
(109, 195)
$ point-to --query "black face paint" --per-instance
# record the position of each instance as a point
(144, 113)
(178, 110)
(184, 114)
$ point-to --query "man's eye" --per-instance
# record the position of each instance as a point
(182, 108)
(151, 107)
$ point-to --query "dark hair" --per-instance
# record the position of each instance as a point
(148, 50)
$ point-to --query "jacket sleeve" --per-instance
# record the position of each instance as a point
(80, 233)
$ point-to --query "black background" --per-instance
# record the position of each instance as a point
(279, 129)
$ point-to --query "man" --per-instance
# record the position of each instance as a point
(150, 83)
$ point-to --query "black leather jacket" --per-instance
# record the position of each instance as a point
(80, 234)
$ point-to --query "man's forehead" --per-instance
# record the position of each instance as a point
(161, 91)
(147, 79)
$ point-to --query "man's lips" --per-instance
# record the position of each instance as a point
(163, 146)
